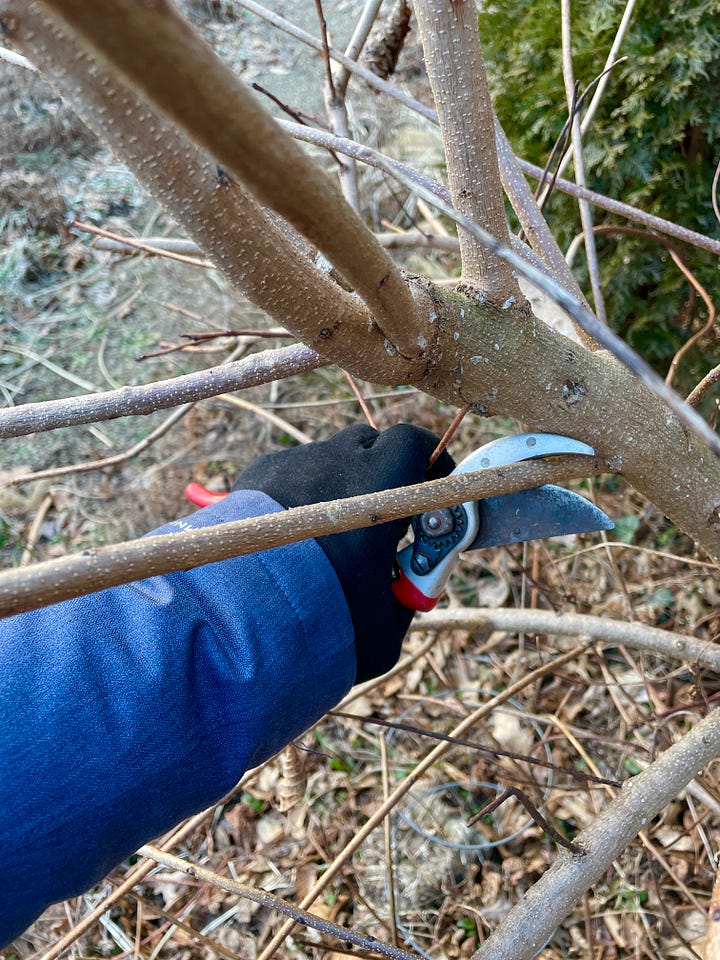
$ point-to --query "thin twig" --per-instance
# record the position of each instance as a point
(626, 210)
(35, 528)
(603, 79)
(17, 60)
(141, 245)
(49, 365)
(695, 397)
(166, 244)
(361, 400)
(268, 415)
(535, 814)
(713, 192)
(325, 47)
(113, 461)
(269, 900)
(400, 239)
(296, 115)
(706, 327)
(449, 433)
(610, 229)
(387, 838)
(544, 189)
(493, 752)
(258, 332)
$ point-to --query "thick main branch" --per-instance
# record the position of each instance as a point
(153, 47)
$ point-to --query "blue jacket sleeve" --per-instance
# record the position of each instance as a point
(125, 711)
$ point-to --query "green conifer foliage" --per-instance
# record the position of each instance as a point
(654, 143)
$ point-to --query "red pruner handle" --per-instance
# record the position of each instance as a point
(409, 596)
(201, 496)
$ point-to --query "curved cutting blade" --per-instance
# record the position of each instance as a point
(547, 511)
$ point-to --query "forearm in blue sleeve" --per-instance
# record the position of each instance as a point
(125, 711)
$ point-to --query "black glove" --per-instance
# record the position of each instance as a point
(357, 460)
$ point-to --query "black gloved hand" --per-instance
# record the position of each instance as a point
(357, 460)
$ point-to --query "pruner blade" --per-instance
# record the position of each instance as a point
(535, 514)
(441, 535)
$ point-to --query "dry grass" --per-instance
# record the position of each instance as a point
(424, 879)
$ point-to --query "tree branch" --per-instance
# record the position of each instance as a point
(272, 902)
(582, 316)
(391, 166)
(510, 165)
(533, 223)
(528, 926)
(662, 643)
(579, 161)
(95, 569)
(357, 41)
(159, 53)
(258, 368)
(244, 242)
(451, 44)
(602, 81)
(626, 211)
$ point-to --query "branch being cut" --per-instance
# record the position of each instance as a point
(98, 568)
(451, 44)
(156, 50)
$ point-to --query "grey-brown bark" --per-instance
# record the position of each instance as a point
(449, 35)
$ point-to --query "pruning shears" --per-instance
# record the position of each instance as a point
(440, 536)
